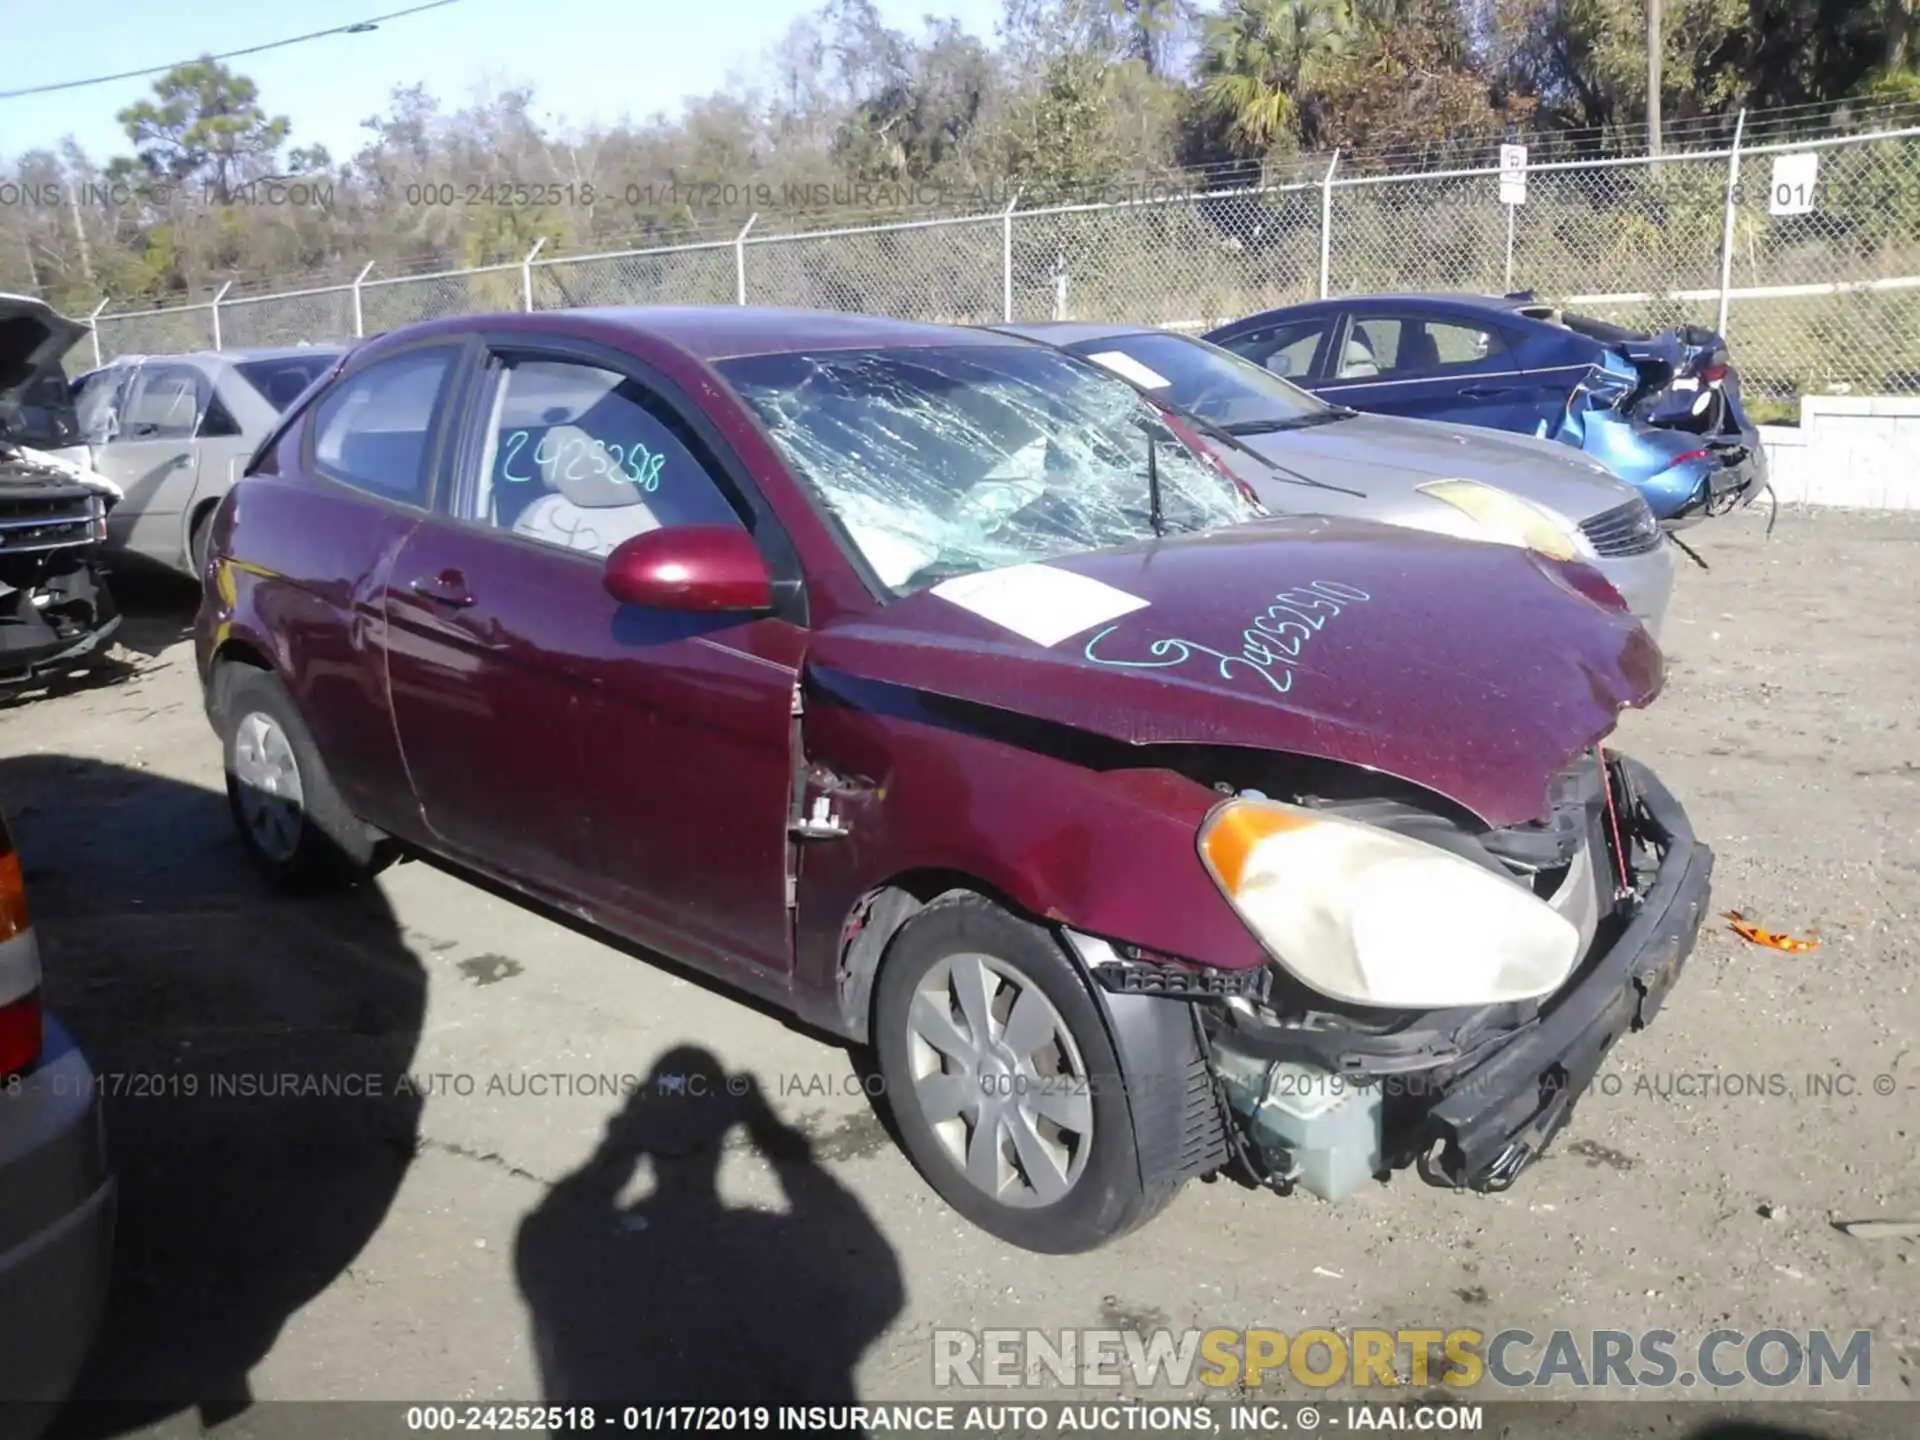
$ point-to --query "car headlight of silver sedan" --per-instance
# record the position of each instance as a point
(1366, 916)
(1503, 518)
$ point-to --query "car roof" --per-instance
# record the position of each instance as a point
(207, 359)
(1074, 332)
(724, 332)
(280, 352)
(1464, 298)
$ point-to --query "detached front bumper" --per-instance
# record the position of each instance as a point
(36, 652)
(1494, 1118)
(52, 618)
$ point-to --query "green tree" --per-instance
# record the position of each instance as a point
(1155, 31)
(922, 119)
(205, 126)
(1258, 59)
(1410, 83)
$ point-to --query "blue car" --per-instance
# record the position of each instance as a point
(1662, 411)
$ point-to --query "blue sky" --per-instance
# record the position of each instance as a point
(588, 60)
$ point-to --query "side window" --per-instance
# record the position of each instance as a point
(218, 422)
(1394, 347)
(97, 399)
(371, 430)
(163, 404)
(1286, 350)
(582, 458)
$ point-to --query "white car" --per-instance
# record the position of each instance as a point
(174, 432)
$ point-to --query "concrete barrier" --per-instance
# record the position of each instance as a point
(1858, 451)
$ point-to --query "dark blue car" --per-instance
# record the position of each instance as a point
(1661, 411)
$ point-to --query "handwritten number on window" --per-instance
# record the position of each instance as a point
(636, 464)
(516, 442)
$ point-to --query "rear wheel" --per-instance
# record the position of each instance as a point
(1003, 1081)
(290, 818)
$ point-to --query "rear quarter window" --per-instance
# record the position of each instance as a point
(282, 380)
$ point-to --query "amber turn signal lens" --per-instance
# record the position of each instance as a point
(1235, 830)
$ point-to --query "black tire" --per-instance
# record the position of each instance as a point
(330, 848)
(197, 540)
(1107, 1197)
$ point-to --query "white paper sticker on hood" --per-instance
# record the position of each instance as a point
(1128, 368)
(1037, 602)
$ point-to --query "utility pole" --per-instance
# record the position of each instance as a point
(80, 233)
(1653, 77)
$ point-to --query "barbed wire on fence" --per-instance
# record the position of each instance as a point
(1825, 296)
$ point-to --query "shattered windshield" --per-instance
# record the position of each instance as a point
(1205, 380)
(940, 462)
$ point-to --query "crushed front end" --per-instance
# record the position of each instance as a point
(1323, 1095)
(55, 607)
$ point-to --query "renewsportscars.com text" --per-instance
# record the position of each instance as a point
(1361, 1357)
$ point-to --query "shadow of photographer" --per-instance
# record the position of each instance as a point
(679, 1297)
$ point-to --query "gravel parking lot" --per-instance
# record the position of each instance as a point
(381, 1242)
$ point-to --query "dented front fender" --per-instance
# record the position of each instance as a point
(929, 792)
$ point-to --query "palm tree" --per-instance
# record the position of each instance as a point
(1256, 57)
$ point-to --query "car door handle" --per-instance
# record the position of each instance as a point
(1484, 392)
(448, 588)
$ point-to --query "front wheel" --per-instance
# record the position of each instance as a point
(291, 819)
(1003, 1081)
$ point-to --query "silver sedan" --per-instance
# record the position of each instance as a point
(174, 431)
(1301, 455)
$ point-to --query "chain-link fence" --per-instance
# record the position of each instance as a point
(1814, 277)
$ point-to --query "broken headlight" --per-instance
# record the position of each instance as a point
(1373, 918)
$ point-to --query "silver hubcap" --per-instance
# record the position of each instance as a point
(269, 777)
(1000, 1080)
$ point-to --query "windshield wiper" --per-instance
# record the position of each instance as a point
(1232, 438)
(1154, 517)
(1293, 422)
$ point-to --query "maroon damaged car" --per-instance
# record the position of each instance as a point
(933, 685)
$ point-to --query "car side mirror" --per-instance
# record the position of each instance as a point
(703, 568)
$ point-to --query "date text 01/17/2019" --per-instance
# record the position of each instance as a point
(945, 1416)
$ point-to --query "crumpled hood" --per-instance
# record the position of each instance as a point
(1388, 457)
(34, 464)
(1478, 671)
(34, 338)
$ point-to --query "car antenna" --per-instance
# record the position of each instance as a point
(1154, 517)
